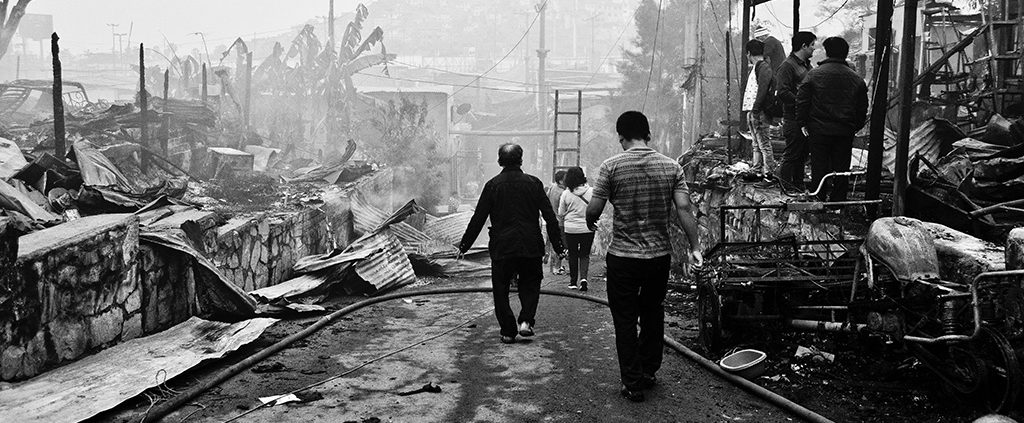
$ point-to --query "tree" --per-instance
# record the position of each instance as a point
(658, 34)
(9, 22)
(701, 26)
(406, 145)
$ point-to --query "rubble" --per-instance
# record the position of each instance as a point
(973, 187)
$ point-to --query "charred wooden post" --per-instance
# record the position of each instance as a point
(165, 122)
(906, 107)
(876, 143)
(59, 140)
(205, 90)
(143, 104)
(796, 16)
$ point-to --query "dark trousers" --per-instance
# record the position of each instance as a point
(579, 254)
(636, 293)
(830, 153)
(794, 157)
(530, 274)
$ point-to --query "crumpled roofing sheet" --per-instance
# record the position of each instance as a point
(99, 382)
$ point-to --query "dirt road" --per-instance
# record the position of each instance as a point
(568, 372)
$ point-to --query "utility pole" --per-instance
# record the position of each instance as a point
(113, 43)
(906, 107)
(120, 46)
(248, 93)
(728, 95)
(876, 147)
(330, 24)
(542, 53)
(593, 57)
(59, 141)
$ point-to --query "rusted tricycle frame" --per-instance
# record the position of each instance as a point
(970, 335)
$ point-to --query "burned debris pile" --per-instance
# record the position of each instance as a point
(976, 184)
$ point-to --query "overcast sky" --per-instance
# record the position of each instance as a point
(82, 24)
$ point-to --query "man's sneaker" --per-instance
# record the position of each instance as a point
(583, 285)
(635, 396)
(573, 286)
(525, 329)
(648, 382)
(508, 339)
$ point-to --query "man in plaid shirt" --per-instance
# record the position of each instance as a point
(642, 186)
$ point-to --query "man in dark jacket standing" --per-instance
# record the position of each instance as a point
(831, 106)
(787, 78)
(513, 200)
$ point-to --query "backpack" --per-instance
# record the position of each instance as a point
(772, 106)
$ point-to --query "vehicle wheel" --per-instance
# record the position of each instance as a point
(1003, 378)
(709, 318)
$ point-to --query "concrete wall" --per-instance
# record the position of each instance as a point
(78, 292)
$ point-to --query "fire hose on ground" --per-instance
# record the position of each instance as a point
(162, 409)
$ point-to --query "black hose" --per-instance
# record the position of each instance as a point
(180, 400)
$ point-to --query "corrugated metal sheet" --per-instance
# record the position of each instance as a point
(369, 219)
(388, 267)
(448, 228)
(932, 139)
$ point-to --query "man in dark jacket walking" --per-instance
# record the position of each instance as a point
(831, 106)
(514, 200)
(788, 77)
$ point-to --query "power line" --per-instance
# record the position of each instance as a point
(614, 45)
(771, 12)
(654, 53)
(447, 83)
(460, 73)
(509, 52)
(832, 15)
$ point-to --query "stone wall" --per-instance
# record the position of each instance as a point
(78, 292)
(258, 251)
(88, 284)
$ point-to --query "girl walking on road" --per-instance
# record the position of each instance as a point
(572, 208)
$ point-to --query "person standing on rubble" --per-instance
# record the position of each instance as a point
(642, 185)
(791, 72)
(572, 210)
(755, 101)
(513, 200)
(554, 193)
(831, 106)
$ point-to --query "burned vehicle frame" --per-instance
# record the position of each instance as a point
(23, 100)
(886, 284)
